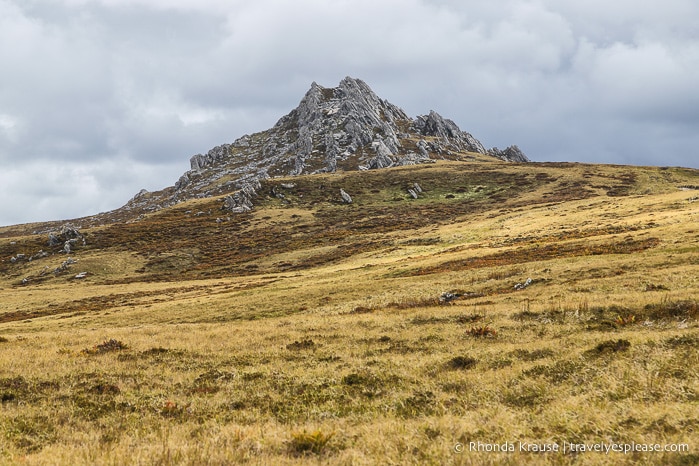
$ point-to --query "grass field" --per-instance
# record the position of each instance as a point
(312, 331)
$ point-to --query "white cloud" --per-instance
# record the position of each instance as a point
(8, 127)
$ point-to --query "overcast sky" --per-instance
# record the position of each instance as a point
(100, 98)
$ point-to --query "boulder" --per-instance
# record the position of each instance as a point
(241, 200)
(511, 154)
(54, 240)
(346, 198)
(69, 236)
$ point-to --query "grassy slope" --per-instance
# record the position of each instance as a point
(309, 328)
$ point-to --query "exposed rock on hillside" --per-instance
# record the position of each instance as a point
(448, 133)
(69, 236)
(511, 154)
(241, 201)
(347, 127)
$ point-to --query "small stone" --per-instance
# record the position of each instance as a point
(521, 286)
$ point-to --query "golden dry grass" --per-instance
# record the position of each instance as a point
(312, 332)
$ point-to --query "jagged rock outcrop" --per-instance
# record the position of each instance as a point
(338, 123)
(415, 190)
(241, 201)
(214, 156)
(449, 134)
(511, 154)
(343, 128)
(69, 236)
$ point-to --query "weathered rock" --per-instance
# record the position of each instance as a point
(39, 255)
(450, 134)
(241, 201)
(448, 297)
(68, 245)
(213, 157)
(54, 240)
(69, 236)
(343, 128)
(183, 182)
(383, 157)
(346, 198)
(411, 158)
(511, 154)
(64, 265)
(521, 286)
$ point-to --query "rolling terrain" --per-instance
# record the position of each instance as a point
(536, 302)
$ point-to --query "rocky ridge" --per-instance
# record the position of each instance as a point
(343, 128)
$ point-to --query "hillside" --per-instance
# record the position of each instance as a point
(499, 302)
(345, 128)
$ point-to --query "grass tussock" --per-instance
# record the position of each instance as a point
(483, 331)
(107, 346)
(315, 442)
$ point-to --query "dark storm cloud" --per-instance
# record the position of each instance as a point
(99, 98)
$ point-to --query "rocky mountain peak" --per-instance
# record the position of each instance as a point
(347, 127)
(335, 123)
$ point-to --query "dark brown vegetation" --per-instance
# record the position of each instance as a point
(381, 332)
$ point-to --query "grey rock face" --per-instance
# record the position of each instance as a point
(447, 131)
(54, 240)
(39, 255)
(69, 236)
(343, 128)
(241, 201)
(68, 245)
(521, 286)
(511, 154)
(337, 123)
(214, 156)
(346, 198)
